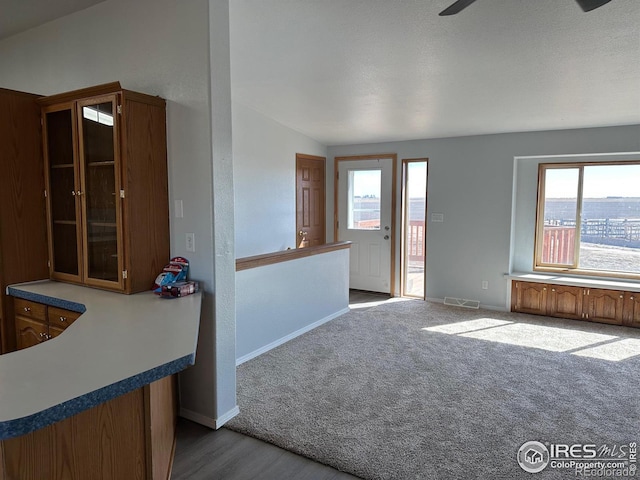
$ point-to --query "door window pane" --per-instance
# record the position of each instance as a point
(364, 199)
(560, 215)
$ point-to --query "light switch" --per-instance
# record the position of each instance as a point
(177, 209)
(437, 217)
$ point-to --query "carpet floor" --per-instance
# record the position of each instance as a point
(420, 390)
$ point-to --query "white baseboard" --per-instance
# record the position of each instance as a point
(222, 419)
(214, 423)
(291, 336)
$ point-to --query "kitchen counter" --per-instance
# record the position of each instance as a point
(120, 343)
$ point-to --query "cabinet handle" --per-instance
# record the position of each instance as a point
(43, 335)
(78, 193)
(73, 192)
(553, 289)
(63, 319)
(621, 296)
(631, 298)
(27, 309)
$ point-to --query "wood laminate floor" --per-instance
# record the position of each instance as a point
(205, 454)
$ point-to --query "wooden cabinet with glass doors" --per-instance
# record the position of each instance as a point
(106, 176)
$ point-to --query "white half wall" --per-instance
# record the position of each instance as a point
(471, 183)
(264, 155)
(278, 302)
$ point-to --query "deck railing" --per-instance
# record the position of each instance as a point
(415, 241)
(558, 245)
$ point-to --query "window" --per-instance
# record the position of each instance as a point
(364, 199)
(414, 184)
(589, 218)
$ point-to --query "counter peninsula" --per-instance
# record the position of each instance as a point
(105, 385)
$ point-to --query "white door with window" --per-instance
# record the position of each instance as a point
(364, 218)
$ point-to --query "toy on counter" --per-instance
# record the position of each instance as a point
(173, 274)
(179, 289)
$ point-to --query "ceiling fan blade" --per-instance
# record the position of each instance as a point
(456, 7)
(588, 5)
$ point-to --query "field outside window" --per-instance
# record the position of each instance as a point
(589, 218)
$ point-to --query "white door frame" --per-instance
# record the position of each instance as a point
(392, 243)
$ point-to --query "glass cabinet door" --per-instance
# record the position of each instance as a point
(100, 194)
(62, 192)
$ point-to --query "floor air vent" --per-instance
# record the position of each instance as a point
(461, 302)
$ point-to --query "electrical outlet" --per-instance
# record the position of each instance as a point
(485, 284)
(190, 242)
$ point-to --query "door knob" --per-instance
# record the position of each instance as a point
(302, 233)
(386, 237)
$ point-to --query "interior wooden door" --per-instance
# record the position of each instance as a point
(310, 201)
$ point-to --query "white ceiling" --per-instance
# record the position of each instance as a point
(359, 71)
(20, 15)
(356, 71)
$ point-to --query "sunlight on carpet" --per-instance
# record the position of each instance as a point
(468, 326)
(375, 303)
(584, 344)
(616, 351)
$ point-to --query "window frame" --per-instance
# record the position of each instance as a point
(574, 268)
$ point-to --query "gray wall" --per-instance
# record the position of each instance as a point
(162, 47)
(471, 182)
(264, 156)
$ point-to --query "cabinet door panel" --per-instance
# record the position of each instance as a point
(29, 332)
(55, 331)
(565, 301)
(631, 315)
(604, 306)
(99, 164)
(530, 298)
(62, 188)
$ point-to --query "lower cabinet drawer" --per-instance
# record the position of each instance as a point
(61, 318)
(27, 308)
